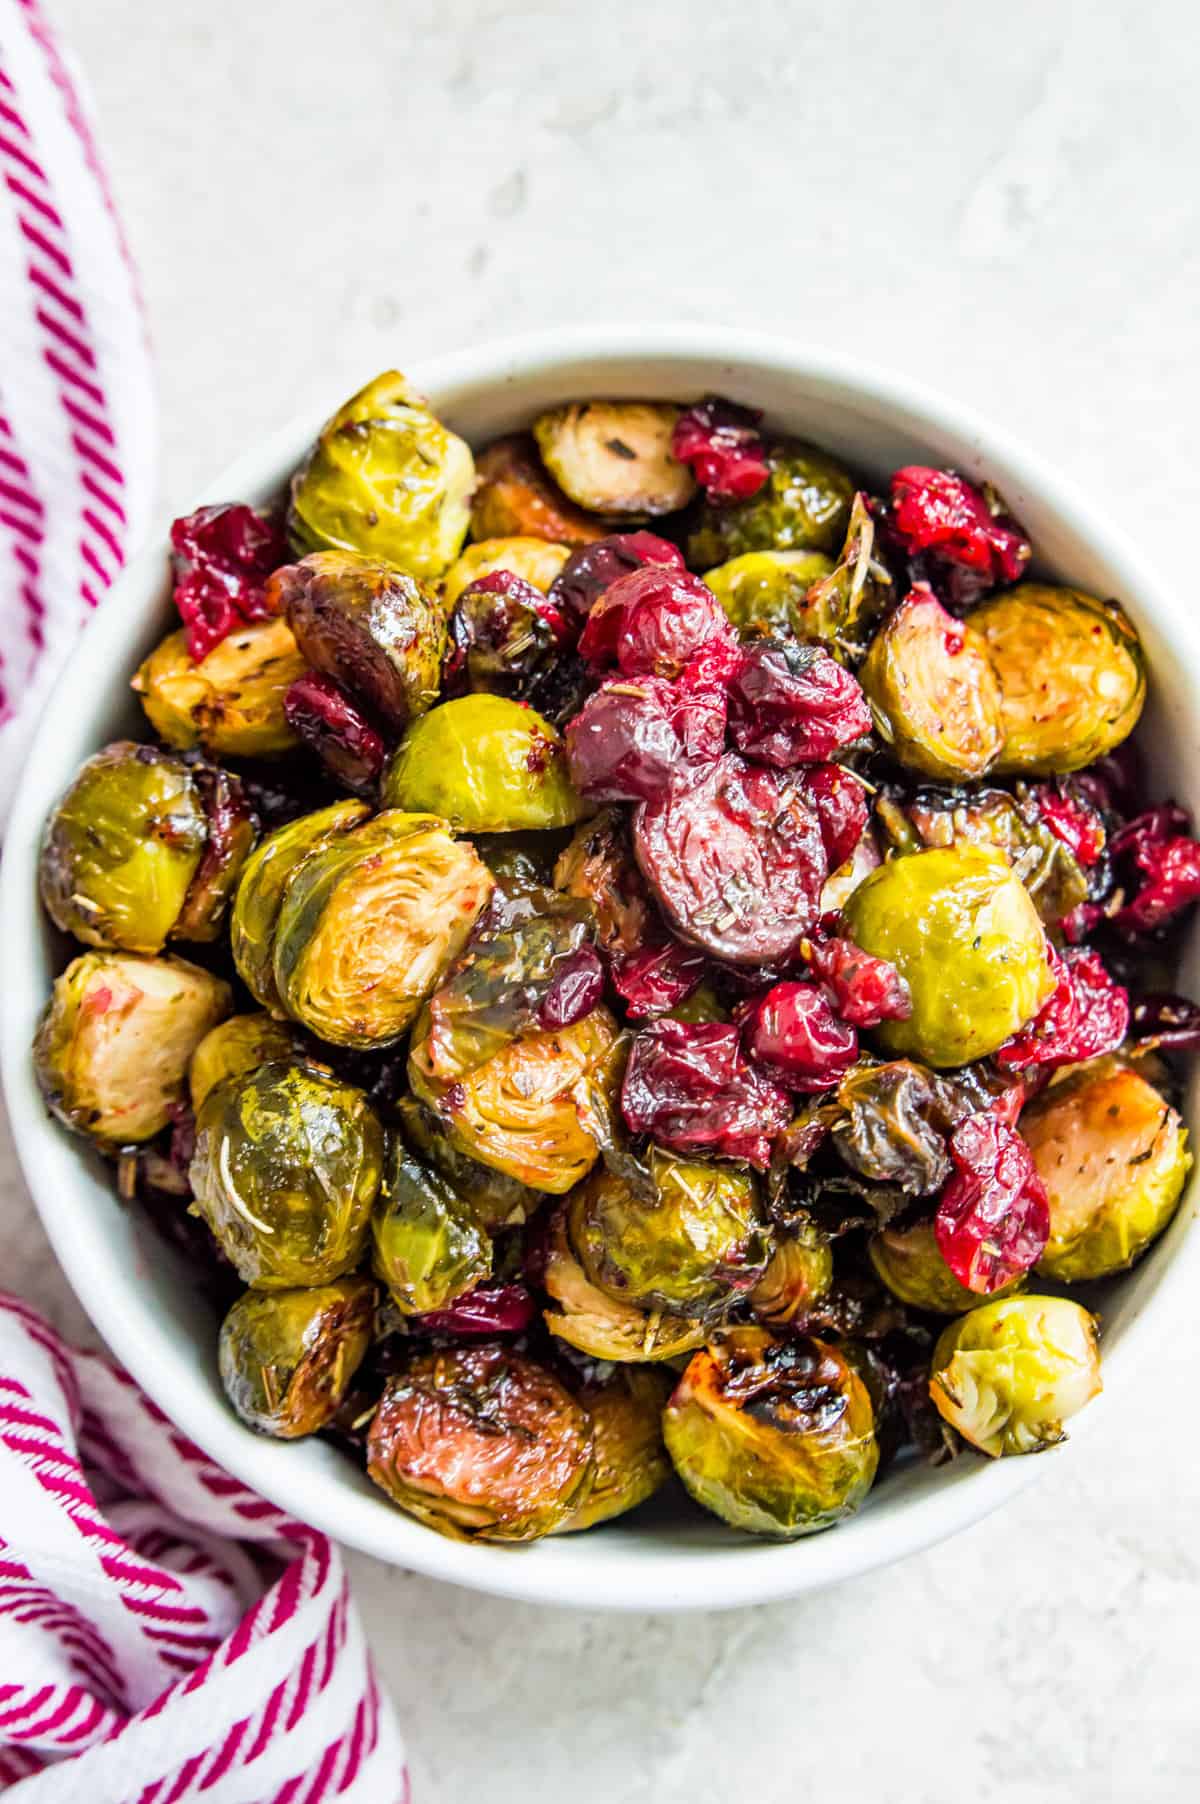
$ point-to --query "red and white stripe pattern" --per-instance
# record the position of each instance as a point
(141, 1659)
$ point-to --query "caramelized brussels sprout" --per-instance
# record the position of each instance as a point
(426, 1245)
(961, 930)
(112, 1047)
(368, 922)
(595, 1323)
(892, 1125)
(933, 691)
(763, 592)
(1009, 1374)
(804, 506)
(375, 630)
(286, 1168)
(261, 891)
(387, 479)
(481, 1444)
(629, 1459)
(799, 1273)
(1114, 1159)
(516, 498)
(1071, 672)
(286, 1357)
(843, 609)
(487, 765)
(233, 1047)
(908, 1261)
(614, 457)
(494, 1199)
(775, 1436)
(231, 831)
(991, 817)
(231, 703)
(537, 560)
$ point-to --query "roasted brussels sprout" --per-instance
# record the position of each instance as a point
(233, 1047)
(231, 703)
(286, 1168)
(387, 479)
(1071, 672)
(843, 609)
(286, 1357)
(537, 560)
(368, 922)
(261, 891)
(908, 1261)
(1114, 1159)
(991, 817)
(487, 765)
(763, 592)
(426, 1244)
(516, 498)
(933, 691)
(494, 1199)
(1009, 1374)
(481, 1444)
(372, 628)
(595, 1323)
(804, 506)
(799, 1273)
(614, 457)
(112, 1047)
(961, 930)
(630, 1462)
(892, 1124)
(775, 1436)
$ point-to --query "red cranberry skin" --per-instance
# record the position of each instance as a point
(841, 806)
(657, 977)
(1159, 845)
(592, 569)
(1167, 1023)
(691, 1088)
(793, 1035)
(635, 740)
(721, 444)
(489, 1309)
(1073, 820)
(1086, 1015)
(337, 730)
(937, 512)
(575, 989)
(221, 558)
(502, 631)
(993, 1217)
(794, 704)
(866, 990)
(651, 622)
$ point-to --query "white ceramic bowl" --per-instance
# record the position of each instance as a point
(668, 1557)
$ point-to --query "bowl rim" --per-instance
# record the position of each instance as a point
(741, 1573)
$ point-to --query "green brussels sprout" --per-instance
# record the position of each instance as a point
(523, 864)
(481, 1444)
(1009, 1374)
(799, 1273)
(112, 1047)
(261, 891)
(1072, 676)
(843, 609)
(596, 1323)
(625, 1411)
(368, 922)
(538, 561)
(487, 765)
(775, 1436)
(286, 1168)
(426, 1244)
(933, 692)
(387, 479)
(692, 1247)
(516, 498)
(803, 506)
(286, 1357)
(763, 592)
(231, 703)
(1114, 1159)
(233, 1047)
(909, 1262)
(991, 817)
(494, 1199)
(961, 930)
(614, 457)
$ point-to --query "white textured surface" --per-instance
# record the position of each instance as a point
(1001, 203)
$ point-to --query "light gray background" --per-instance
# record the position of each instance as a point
(1000, 200)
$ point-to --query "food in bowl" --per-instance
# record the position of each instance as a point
(631, 953)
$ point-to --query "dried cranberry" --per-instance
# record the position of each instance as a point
(662, 973)
(502, 631)
(1074, 820)
(866, 990)
(337, 730)
(841, 807)
(722, 445)
(993, 1217)
(650, 622)
(592, 569)
(1165, 1023)
(575, 989)
(634, 740)
(692, 1089)
(794, 1035)
(1087, 1014)
(1159, 845)
(793, 704)
(221, 557)
(938, 512)
(489, 1309)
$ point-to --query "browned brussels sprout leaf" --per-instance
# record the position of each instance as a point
(231, 833)
(893, 1125)
(798, 1274)
(596, 1323)
(287, 1357)
(991, 817)
(515, 497)
(843, 608)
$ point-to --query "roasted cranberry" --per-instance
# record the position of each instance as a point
(866, 990)
(337, 730)
(1083, 919)
(1073, 819)
(1165, 1023)
(594, 568)
(1087, 1014)
(502, 631)
(657, 977)
(841, 807)
(635, 739)
(793, 704)
(721, 443)
(796, 1038)
(489, 1309)
(651, 621)
(1159, 845)
(937, 512)
(691, 1088)
(993, 1217)
(575, 989)
(221, 558)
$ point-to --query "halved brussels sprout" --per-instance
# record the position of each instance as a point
(286, 1168)
(991, 817)
(799, 1273)
(377, 631)
(426, 1245)
(286, 1357)
(762, 592)
(481, 1444)
(112, 1047)
(261, 890)
(1072, 676)
(961, 930)
(487, 765)
(387, 479)
(587, 1318)
(775, 1436)
(537, 560)
(909, 1262)
(516, 498)
(231, 703)
(232, 829)
(495, 1200)
(843, 609)
(1009, 1374)
(933, 691)
(803, 506)
(233, 1047)
(625, 1411)
(1114, 1159)
(368, 922)
(614, 457)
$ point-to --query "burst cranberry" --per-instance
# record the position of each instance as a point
(866, 990)
(594, 568)
(692, 1089)
(1074, 820)
(633, 741)
(841, 806)
(723, 447)
(1087, 1014)
(221, 558)
(650, 622)
(502, 631)
(937, 512)
(662, 973)
(1158, 844)
(575, 989)
(993, 1217)
(489, 1309)
(793, 704)
(796, 1038)
(337, 731)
